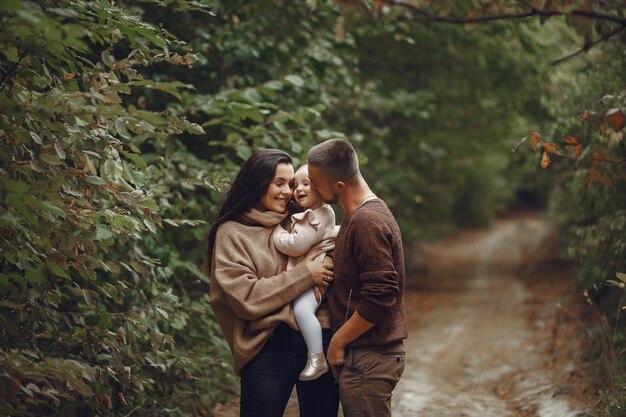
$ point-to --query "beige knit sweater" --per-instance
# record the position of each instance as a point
(311, 231)
(250, 290)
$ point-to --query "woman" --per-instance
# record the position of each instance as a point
(251, 292)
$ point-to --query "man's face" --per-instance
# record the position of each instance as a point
(324, 186)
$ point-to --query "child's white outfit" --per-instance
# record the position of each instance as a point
(312, 230)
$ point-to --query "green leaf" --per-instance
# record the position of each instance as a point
(36, 138)
(60, 152)
(56, 270)
(35, 275)
(163, 313)
(244, 152)
(150, 225)
(95, 180)
(103, 232)
(274, 85)
(44, 205)
(621, 276)
(133, 148)
(167, 87)
(295, 80)
(51, 159)
(193, 128)
(138, 160)
(15, 186)
(10, 5)
(10, 304)
(16, 202)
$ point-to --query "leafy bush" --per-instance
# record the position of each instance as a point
(100, 311)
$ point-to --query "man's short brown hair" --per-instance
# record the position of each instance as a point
(336, 157)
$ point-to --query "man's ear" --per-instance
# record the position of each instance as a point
(340, 186)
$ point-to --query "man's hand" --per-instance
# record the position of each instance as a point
(348, 333)
(336, 355)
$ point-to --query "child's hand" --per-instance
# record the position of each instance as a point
(318, 293)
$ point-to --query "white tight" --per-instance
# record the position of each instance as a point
(304, 308)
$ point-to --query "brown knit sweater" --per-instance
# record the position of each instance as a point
(250, 292)
(369, 261)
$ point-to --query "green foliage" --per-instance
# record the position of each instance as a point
(589, 200)
(438, 138)
(97, 313)
(122, 125)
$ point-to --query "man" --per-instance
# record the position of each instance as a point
(367, 317)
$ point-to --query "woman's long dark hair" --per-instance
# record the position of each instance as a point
(250, 184)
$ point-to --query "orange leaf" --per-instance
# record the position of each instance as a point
(340, 28)
(377, 6)
(578, 150)
(471, 25)
(599, 156)
(616, 117)
(549, 147)
(535, 138)
(107, 401)
(592, 177)
(602, 128)
(570, 140)
(545, 160)
(15, 383)
(584, 115)
(69, 76)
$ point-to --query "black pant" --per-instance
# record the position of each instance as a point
(267, 380)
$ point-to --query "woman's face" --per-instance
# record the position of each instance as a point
(279, 191)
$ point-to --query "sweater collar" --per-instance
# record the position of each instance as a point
(254, 217)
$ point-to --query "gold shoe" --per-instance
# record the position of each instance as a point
(316, 366)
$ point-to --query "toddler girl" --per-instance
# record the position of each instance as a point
(312, 230)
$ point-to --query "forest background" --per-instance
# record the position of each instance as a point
(122, 122)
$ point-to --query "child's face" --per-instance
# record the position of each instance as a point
(302, 192)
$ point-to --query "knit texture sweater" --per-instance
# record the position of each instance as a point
(312, 230)
(369, 274)
(250, 290)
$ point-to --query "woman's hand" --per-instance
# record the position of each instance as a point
(322, 272)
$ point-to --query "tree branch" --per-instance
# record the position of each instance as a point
(516, 148)
(590, 45)
(428, 16)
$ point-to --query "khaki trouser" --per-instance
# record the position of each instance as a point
(368, 377)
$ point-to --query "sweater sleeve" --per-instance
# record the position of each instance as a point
(302, 237)
(377, 274)
(251, 296)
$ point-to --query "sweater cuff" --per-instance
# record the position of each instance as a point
(303, 277)
(372, 313)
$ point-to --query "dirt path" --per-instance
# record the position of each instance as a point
(486, 335)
